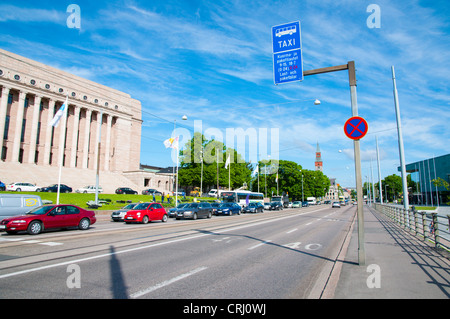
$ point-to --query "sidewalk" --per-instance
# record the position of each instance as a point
(408, 268)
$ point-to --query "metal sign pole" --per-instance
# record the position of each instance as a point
(359, 192)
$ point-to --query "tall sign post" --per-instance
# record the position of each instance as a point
(288, 67)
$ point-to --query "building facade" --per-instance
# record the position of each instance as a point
(423, 190)
(31, 94)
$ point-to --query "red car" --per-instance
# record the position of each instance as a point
(49, 216)
(145, 212)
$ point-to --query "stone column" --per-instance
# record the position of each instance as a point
(87, 129)
(108, 141)
(34, 128)
(48, 132)
(19, 124)
(74, 147)
(3, 111)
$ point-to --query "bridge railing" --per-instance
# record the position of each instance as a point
(427, 225)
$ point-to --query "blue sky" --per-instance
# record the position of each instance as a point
(212, 61)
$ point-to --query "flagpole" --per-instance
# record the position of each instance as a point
(229, 176)
(176, 182)
(61, 146)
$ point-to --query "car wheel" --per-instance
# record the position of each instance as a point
(18, 190)
(194, 216)
(209, 215)
(165, 218)
(34, 228)
(145, 219)
(84, 224)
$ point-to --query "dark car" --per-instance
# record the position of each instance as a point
(253, 208)
(305, 204)
(173, 211)
(54, 188)
(47, 217)
(215, 207)
(151, 191)
(125, 190)
(229, 209)
(119, 215)
(276, 205)
(195, 210)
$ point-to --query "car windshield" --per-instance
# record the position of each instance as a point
(42, 210)
(192, 205)
(252, 205)
(141, 206)
(182, 205)
(225, 205)
(129, 206)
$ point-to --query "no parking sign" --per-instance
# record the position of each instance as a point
(356, 128)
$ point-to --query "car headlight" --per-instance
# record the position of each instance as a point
(188, 212)
(20, 221)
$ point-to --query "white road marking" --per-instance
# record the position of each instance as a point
(292, 230)
(166, 283)
(260, 244)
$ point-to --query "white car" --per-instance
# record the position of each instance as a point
(22, 187)
(89, 189)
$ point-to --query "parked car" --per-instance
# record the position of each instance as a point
(2, 186)
(215, 207)
(22, 187)
(89, 189)
(195, 210)
(336, 205)
(145, 212)
(118, 215)
(276, 206)
(253, 208)
(125, 190)
(267, 206)
(296, 204)
(173, 211)
(47, 217)
(17, 204)
(151, 191)
(305, 204)
(54, 189)
(229, 209)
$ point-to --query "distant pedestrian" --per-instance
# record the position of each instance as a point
(162, 198)
(154, 199)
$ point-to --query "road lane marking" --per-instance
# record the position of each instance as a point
(260, 244)
(166, 283)
(292, 230)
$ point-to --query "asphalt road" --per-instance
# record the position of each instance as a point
(281, 254)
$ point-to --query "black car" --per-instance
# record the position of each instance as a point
(195, 210)
(253, 208)
(151, 191)
(305, 204)
(173, 211)
(276, 206)
(54, 188)
(125, 190)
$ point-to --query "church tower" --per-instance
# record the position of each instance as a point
(318, 164)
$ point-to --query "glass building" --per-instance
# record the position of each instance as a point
(422, 190)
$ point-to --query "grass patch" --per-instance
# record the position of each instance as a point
(425, 208)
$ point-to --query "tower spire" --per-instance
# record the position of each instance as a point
(318, 163)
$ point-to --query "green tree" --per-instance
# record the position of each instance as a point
(199, 149)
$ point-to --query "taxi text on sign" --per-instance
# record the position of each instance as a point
(287, 53)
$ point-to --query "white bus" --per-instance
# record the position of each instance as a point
(242, 197)
(287, 30)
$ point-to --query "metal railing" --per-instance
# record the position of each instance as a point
(428, 225)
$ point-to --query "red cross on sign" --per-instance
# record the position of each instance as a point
(356, 128)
